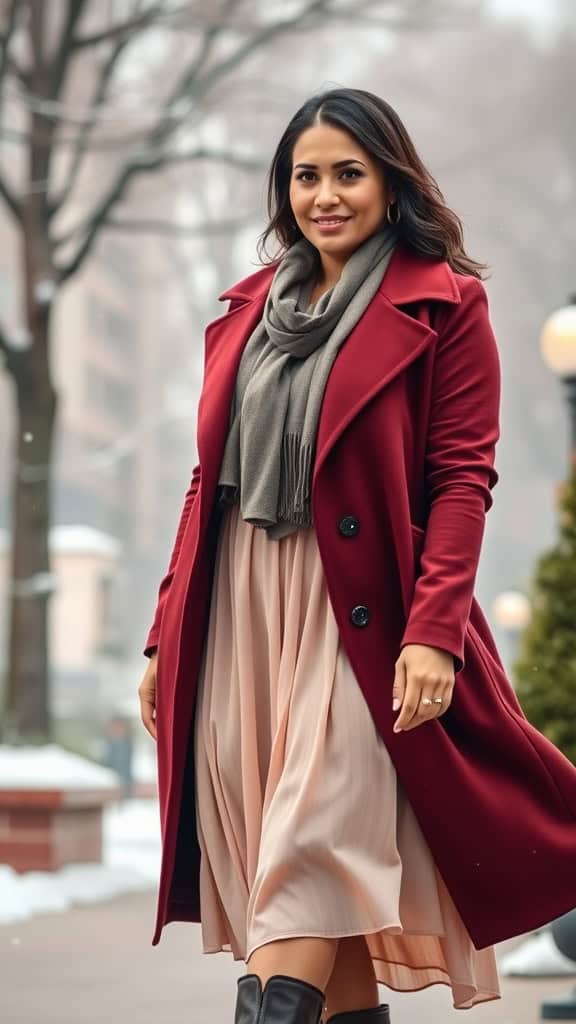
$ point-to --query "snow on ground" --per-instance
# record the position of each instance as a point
(537, 957)
(131, 837)
(50, 767)
(131, 862)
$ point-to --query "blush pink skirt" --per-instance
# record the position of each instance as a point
(303, 826)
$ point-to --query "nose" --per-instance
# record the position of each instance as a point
(325, 195)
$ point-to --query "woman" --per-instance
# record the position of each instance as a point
(350, 793)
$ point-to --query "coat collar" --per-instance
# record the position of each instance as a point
(410, 277)
(395, 338)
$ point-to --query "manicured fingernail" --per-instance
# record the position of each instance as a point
(396, 729)
(395, 704)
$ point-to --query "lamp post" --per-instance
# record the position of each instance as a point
(558, 346)
(511, 610)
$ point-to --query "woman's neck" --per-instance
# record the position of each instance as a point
(329, 273)
(326, 276)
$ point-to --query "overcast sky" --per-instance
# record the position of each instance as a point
(544, 16)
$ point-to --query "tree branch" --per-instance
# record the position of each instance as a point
(123, 37)
(259, 39)
(10, 200)
(89, 229)
(62, 59)
(123, 29)
(172, 228)
(184, 87)
(101, 144)
(12, 9)
(6, 36)
(16, 70)
(87, 129)
(152, 154)
(189, 83)
(10, 358)
(108, 143)
(4, 51)
(165, 127)
(152, 160)
(416, 14)
(92, 227)
(7, 62)
(4, 347)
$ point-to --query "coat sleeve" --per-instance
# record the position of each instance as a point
(459, 468)
(152, 638)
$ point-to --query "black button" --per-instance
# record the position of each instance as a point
(360, 615)
(349, 526)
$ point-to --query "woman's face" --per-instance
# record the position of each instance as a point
(319, 188)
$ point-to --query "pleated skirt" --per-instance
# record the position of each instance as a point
(303, 825)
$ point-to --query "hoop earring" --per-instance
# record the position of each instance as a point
(388, 217)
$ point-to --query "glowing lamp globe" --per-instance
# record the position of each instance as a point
(558, 341)
(511, 610)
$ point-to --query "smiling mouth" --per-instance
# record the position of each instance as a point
(330, 220)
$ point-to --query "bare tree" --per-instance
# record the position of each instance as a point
(53, 132)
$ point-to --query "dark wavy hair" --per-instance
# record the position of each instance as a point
(426, 222)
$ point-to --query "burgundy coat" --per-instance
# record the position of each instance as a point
(406, 441)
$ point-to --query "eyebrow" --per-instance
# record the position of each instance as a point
(339, 163)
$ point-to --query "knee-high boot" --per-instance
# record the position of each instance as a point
(284, 1000)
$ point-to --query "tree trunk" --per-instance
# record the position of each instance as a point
(28, 717)
(27, 709)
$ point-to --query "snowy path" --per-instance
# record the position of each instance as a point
(131, 863)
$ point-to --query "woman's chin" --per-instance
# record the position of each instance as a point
(333, 246)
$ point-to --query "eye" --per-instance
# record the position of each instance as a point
(353, 173)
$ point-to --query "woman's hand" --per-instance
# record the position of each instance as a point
(147, 694)
(421, 671)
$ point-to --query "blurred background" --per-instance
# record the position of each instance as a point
(132, 194)
(135, 137)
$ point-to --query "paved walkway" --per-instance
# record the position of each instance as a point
(95, 965)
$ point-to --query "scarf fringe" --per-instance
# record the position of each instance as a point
(296, 466)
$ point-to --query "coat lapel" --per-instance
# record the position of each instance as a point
(383, 343)
(225, 339)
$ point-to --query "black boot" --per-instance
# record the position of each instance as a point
(284, 1001)
(375, 1015)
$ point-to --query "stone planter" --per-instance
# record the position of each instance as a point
(51, 805)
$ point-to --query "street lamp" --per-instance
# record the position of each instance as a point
(511, 610)
(558, 346)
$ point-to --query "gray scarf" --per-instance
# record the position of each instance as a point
(282, 375)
